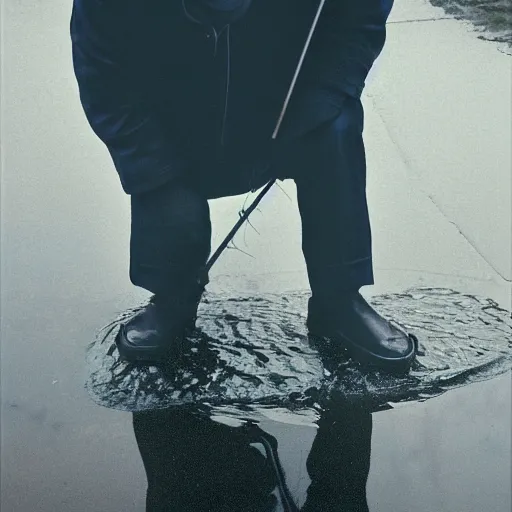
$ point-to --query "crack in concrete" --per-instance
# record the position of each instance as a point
(420, 20)
(466, 237)
(410, 167)
(442, 274)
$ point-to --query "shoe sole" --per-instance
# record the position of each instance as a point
(364, 357)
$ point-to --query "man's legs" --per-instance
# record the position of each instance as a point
(170, 244)
(170, 238)
(330, 174)
(331, 192)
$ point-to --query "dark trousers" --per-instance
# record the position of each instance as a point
(171, 230)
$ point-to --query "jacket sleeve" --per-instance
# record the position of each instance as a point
(118, 114)
(349, 37)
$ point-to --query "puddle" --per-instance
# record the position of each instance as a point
(255, 352)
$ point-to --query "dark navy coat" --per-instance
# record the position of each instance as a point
(158, 89)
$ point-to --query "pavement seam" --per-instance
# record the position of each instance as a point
(393, 269)
(410, 166)
(420, 20)
(466, 237)
(504, 46)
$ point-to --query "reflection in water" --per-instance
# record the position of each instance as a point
(195, 464)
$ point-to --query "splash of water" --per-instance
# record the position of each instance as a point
(255, 351)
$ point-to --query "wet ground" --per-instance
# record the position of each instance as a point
(65, 231)
(492, 18)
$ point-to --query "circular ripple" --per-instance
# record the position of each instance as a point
(251, 350)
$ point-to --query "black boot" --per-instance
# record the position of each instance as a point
(355, 327)
(156, 333)
(170, 243)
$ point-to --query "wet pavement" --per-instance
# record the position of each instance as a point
(64, 260)
(493, 19)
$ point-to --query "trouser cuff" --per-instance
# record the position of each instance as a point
(332, 280)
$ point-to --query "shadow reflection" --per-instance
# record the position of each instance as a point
(195, 464)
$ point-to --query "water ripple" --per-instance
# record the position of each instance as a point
(256, 351)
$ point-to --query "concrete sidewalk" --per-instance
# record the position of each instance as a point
(438, 145)
(437, 134)
(445, 97)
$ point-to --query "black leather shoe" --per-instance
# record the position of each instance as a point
(156, 333)
(359, 330)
